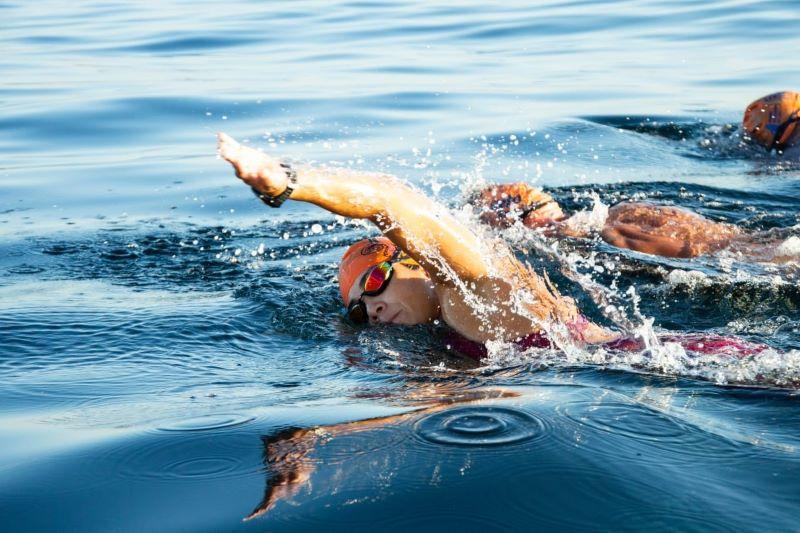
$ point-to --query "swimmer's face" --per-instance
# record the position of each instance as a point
(409, 298)
(502, 205)
(545, 215)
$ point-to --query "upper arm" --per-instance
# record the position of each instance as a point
(430, 234)
(420, 226)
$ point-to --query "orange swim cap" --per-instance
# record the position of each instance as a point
(359, 257)
(764, 117)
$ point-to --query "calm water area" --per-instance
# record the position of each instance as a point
(172, 352)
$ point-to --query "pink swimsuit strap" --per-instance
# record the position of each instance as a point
(477, 350)
(706, 344)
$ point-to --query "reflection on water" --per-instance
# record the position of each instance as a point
(287, 453)
(593, 455)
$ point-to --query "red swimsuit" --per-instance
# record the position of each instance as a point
(707, 344)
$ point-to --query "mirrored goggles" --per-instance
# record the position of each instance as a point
(375, 282)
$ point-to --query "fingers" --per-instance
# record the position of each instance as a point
(227, 147)
(252, 166)
(231, 151)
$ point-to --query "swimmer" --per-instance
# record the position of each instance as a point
(429, 267)
(773, 121)
(661, 230)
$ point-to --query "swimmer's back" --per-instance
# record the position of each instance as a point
(664, 230)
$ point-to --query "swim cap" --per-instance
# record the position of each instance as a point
(359, 257)
(496, 201)
(764, 117)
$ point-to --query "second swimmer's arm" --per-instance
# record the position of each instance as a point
(421, 227)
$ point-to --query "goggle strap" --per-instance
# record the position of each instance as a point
(778, 142)
(534, 207)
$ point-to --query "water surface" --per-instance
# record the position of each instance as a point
(167, 342)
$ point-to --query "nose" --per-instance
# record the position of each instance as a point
(375, 310)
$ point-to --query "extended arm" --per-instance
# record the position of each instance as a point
(635, 238)
(423, 228)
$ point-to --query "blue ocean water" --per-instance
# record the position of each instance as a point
(171, 352)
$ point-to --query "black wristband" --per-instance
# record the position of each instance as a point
(277, 201)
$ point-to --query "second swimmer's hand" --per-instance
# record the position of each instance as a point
(257, 169)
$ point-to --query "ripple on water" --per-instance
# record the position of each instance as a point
(627, 419)
(190, 449)
(577, 495)
(202, 467)
(205, 423)
(461, 520)
(629, 431)
(671, 517)
(191, 457)
(480, 426)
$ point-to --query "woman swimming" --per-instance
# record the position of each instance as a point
(477, 288)
(663, 230)
(428, 266)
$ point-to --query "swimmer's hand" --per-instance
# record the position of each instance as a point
(257, 169)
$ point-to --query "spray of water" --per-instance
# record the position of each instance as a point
(620, 306)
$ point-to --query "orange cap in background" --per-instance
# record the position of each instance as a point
(359, 257)
(763, 117)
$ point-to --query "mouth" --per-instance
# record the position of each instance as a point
(392, 320)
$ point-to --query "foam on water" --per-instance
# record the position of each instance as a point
(789, 249)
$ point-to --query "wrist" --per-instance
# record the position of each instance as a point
(276, 198)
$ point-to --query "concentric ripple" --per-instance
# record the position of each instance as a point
(626, 419)
(205, 423)
(625, 431)
(191, 457)
(480, 426)
(203, 467)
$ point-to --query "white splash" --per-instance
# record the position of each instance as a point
(589, 221)
(789, 249)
